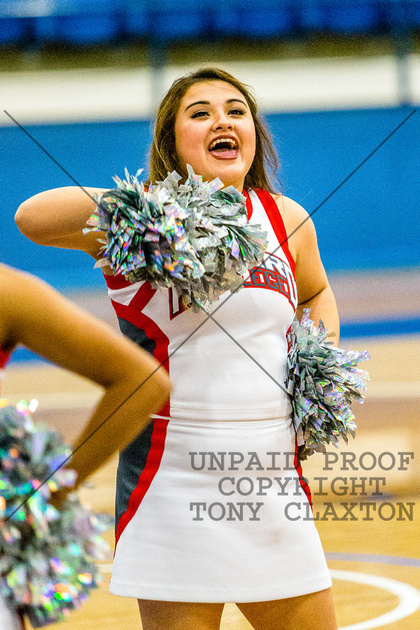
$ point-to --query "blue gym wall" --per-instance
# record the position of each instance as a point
(371, 222)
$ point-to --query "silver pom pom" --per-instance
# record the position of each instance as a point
(194, 237)
(323, 381)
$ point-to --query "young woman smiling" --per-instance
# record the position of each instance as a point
(190, 538)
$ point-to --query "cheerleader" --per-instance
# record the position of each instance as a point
(195, 528)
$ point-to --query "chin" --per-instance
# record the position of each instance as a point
(229, 178)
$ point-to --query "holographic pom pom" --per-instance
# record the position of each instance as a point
(323, 381)
(194, 237)
(46, 566)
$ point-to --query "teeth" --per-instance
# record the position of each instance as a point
(224, 141)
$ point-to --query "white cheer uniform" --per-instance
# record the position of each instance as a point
(211, 504)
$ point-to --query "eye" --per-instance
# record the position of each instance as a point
(200, 114)
(237, 111)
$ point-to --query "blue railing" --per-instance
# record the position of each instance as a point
(85, 22)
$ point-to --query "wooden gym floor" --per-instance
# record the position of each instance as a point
(372, 550)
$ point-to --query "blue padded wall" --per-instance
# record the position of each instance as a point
(371, 222)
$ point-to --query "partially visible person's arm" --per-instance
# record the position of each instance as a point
(57, 218)
(35, 315)
(314, 290)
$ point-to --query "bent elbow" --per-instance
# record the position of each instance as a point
(161, 388)
(163, 383)
(25, 219)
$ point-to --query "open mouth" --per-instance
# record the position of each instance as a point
(225, 148)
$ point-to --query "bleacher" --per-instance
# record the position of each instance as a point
(92, 22)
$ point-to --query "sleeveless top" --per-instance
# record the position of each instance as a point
(231, 365)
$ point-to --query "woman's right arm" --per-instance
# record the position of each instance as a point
(57, 217)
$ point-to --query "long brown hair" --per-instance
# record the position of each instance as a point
(163, 155)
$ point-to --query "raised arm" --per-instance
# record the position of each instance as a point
(314, 290)
(33, 314)
(57, 218)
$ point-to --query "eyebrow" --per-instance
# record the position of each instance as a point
(230, 100)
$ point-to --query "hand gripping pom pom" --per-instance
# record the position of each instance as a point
(322, 381)
(194, 236)
(46, 556)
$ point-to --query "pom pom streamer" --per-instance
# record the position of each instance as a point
(46, 556)
(194, 237)
(322, 381)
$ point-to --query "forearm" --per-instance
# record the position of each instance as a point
(120, 416)
(323, 306)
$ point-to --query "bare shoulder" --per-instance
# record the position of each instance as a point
(293, 213)
(298, 223)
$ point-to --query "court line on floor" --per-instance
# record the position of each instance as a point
(409, 598)
(355, 331)
(374, 558)
(380, 328)
(343, 557)
(385, 390)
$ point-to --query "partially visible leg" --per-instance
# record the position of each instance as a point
(306, 612)
(157, 615)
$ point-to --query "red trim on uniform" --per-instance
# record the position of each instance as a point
(304, 485)
(154, 458)
(4, 357)
(116, 282)
(150, 327)
(132, 314)
(142, 297)
(248, 205)
(276, 221)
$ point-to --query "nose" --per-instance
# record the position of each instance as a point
(222, 121)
